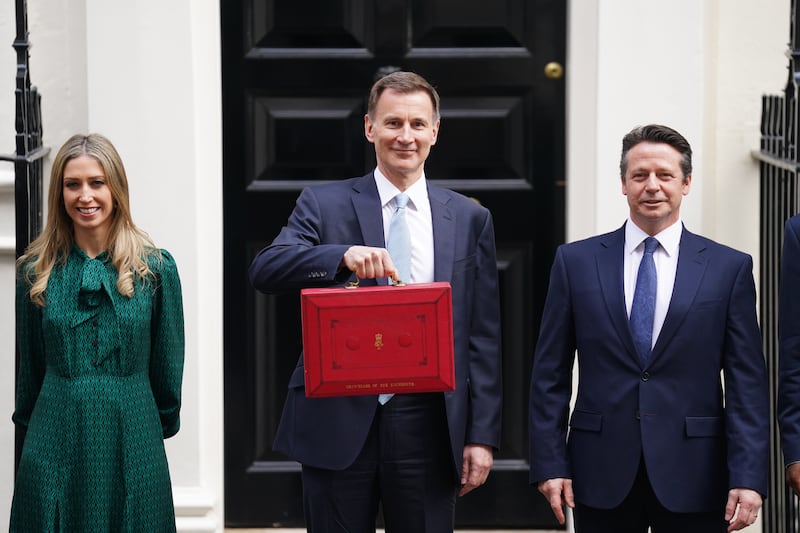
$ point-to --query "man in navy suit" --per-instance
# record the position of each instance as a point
(789, 349)
(655, 438)
(416, 452)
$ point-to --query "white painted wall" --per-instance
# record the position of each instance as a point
(7, 231)
(700, 67)
(146, 73)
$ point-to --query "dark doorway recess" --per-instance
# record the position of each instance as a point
(295, 79)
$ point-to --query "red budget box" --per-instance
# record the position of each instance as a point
(372, 340)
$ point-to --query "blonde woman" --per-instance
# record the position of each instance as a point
(100, 339)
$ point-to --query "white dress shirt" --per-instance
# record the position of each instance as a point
(418, 218)
(666, 260)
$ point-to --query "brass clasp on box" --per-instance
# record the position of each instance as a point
(396, 282)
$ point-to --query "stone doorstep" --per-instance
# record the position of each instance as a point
(272, 530)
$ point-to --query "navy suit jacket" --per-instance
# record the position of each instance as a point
(328, 219)
(789, 337)
(696, 442)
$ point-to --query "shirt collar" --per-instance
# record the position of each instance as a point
(668, 238)
(417, 193)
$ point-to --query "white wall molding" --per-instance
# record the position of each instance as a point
(8, 245)
(195, 510)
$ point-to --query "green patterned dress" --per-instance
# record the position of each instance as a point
(98, 391)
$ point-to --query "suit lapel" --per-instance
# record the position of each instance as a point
(610, 268)
(692, 262)
(444, 234)
(367, 206)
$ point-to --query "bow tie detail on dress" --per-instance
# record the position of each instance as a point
(92, 281)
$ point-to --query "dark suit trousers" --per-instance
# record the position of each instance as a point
(405, 466)
(641, 509)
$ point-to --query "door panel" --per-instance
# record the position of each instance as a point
(295, 80)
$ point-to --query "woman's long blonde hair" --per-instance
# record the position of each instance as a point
(128, 246)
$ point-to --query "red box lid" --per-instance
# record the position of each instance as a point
(379, 339)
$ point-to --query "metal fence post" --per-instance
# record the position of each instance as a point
(28, 159)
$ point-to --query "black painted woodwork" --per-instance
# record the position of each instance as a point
(295, 80)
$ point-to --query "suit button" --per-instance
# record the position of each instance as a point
(645, 376)
(638, 416)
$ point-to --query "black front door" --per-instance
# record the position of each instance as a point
(295, 79)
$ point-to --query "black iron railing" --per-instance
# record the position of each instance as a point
(779, 168)
(27, 160)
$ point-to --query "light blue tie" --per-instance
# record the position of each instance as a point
(399, 247)
(643, 307)
(399, 243)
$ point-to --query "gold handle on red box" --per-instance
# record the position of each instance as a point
(396, 282)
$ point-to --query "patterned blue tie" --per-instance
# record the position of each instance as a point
(399, 247)
(644, 302)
